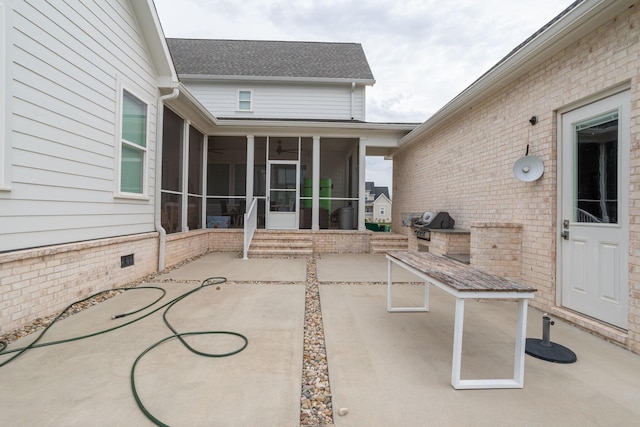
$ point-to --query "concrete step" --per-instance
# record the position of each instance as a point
(383, 242)
(272, 244)
(280, 253)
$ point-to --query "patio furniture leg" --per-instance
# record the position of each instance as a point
(521, 333)
(390, 308)
(518, 362)
(458, 328)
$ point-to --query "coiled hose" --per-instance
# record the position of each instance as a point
(167, 306)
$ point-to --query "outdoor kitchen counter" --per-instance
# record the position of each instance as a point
(463, 281)
(461, 277)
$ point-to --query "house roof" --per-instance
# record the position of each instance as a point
(270, 59)
(382, 190)
(376, 191)
(577, 20)
(370, 186)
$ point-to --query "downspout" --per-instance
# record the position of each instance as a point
(353, 89)
(162, 233)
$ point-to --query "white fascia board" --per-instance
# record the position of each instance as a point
(231, 78)
(309, 129)
(578, 22)
(156, 43)
(315, 124)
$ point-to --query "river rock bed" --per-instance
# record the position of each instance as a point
(315, 400)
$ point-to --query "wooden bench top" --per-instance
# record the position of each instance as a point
(459, 276)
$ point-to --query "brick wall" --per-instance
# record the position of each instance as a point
(221, 240)
(444, 242)
(342, 241)
(465, 165)
(496, 248)
(181, 246)
(40, 282)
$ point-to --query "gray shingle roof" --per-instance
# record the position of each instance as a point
(270, 59)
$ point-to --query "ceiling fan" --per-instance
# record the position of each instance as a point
(281, 150)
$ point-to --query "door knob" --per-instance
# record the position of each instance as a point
(565, 235)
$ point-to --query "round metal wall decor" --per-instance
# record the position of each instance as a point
(528, 168)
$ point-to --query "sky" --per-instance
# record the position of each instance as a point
(422, 52)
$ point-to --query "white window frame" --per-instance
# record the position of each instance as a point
(382, 210)
(250, 100)
(120, 142)
(5, 132)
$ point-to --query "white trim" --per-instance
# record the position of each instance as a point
(315, 184)
(250, 100)
(362, 170)
(156, 44)
(186, 77)
(118, 193)
(617, 99)
(249, 169)
(281, 220)
(5, 126)
(184, 199)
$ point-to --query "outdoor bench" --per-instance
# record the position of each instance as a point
(463, 282)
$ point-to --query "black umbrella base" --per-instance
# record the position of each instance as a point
(551, 352)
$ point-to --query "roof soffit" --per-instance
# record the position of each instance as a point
(153, 35)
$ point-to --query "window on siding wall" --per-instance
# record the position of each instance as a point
(381, 210)
(133, 144)
(244, 100)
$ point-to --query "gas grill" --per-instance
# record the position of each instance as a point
(423, 223)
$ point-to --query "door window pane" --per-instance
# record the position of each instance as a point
(283, 176)
(596, 169)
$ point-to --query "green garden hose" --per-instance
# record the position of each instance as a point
(34, 344)
(167, 306)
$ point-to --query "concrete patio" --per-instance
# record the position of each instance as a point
(386, 369)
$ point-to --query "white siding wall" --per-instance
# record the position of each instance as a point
(68, 60)
(282, 100)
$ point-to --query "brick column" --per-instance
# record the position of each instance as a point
(496, 248)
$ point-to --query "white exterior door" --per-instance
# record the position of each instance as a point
(283, 194)
(594, 222)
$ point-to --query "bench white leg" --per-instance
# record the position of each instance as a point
(518, 362)
(391, 308)
(521, 333)
(458, 328)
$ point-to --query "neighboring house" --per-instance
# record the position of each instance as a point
(382, 209)
(378, 203)
(294, 112)
(571, 233)
(103, 151)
